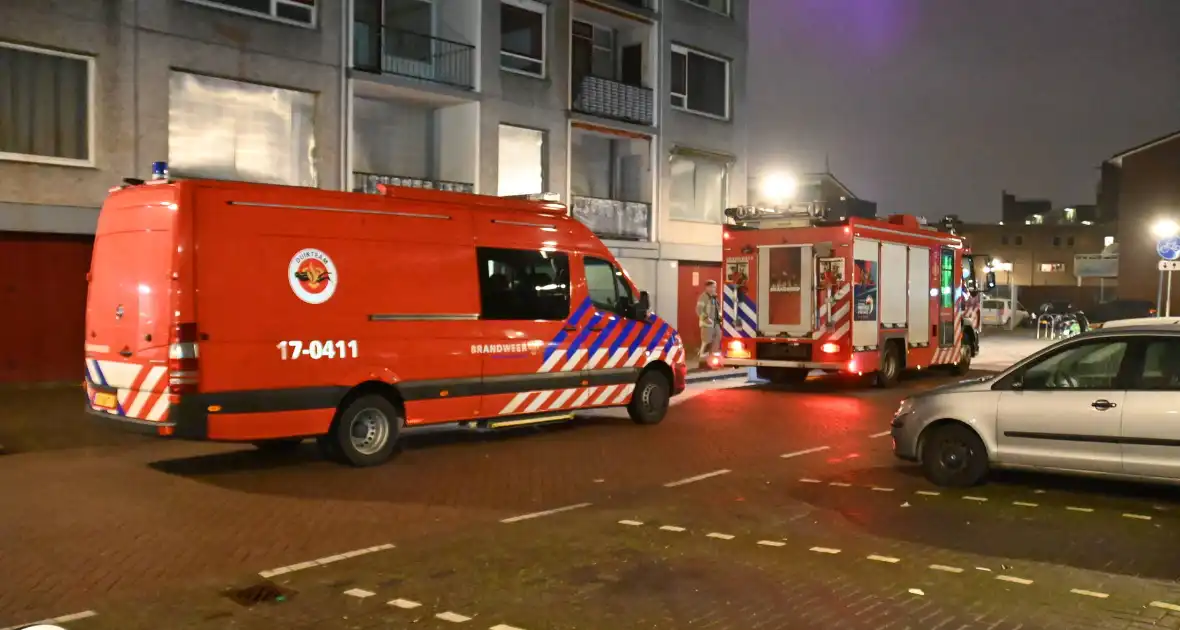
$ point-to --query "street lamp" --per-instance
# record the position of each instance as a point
(777, 188)
(1165, 228)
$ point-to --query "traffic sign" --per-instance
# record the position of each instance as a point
(1170, 265)
(1168, 248)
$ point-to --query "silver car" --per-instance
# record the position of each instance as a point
(1103, 403)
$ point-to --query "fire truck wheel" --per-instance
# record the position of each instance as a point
(649, 403)
(890, 369)
(365, 433)
(964, 365)
(954, 456)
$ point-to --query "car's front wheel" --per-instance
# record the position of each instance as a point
(954, 456)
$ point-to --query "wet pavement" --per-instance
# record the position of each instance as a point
(748, 507)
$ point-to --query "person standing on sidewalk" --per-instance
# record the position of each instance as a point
(709, 315)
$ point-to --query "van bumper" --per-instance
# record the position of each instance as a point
(679, 378)
(187, 421)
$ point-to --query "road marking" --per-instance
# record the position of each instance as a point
(1025, 504)
(772, 543)
(525, 517)
(715, 473)
(407, 604)
(1078, 509)
(452, 617)
(720, 536)
(1014, 580)
(839, 484)
(824, 550)
(671, 528)
(971, 498)
(888, 559)
(85, 614)
(943, 567)
(631, 523)
(501, 626)
(1142, 517)
(1165, 606)
(880, 489)
(928, 493)
(359, 593)
(1079, 591)
(810, 480)
(881, 434)
(318, 562)
(804, 452)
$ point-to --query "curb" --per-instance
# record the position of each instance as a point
(705, 377)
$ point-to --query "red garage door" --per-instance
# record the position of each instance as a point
(693, 276)
(42, 306)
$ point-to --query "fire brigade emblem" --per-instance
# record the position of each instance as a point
(312, 276)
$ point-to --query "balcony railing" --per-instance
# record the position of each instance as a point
(614, 219)
(611, 99)
(367, 182)
(389, 50)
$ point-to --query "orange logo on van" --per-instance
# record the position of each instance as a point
(312, 276)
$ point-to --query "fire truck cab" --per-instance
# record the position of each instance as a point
(855, 296)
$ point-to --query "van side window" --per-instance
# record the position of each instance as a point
(607, 287)
(519, 284)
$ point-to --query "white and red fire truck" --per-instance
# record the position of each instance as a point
(856, 296)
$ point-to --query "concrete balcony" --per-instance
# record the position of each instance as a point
(614, 219)
(399, 52)
(614, 100)
(367, 183)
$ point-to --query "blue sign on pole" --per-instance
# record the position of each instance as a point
(1168, 248)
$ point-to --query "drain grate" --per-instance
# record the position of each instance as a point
(264, 593)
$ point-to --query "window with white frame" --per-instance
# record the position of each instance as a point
(522, 36)
(724, 7)
(522, 161)
(700, 189)
(301, 12)
(46, 106)
(700, 82)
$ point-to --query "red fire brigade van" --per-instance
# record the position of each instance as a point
(856, 296)
(268, 314)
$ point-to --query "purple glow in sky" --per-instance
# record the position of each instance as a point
(936, 106)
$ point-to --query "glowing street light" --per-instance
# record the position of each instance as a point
(1165, 228)
(779, 187)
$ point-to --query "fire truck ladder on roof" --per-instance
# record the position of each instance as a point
(799, 214)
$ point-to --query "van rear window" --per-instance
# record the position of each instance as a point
(517, 284)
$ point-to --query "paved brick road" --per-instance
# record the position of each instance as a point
(149, 533)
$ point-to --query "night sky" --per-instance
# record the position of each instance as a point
(935, 106)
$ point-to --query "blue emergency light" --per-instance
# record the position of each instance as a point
(159, 170)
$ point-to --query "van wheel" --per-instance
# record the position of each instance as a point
(282, 445)
(365, 433)
(890, 369)
(649, 402)
(954, 456)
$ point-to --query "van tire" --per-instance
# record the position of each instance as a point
(953, 456)
(891, 364)
(280, 445)
(649, 401)
(365, 432)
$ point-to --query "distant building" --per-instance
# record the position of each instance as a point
(1139, 187)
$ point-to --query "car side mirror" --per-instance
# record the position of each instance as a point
(641, 306)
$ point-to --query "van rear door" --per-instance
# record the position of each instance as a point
(128, 303)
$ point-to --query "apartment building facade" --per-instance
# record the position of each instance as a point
(631, 111)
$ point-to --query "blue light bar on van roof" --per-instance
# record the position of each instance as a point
(159, 170)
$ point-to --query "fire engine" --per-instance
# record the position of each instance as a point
(855, 296)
